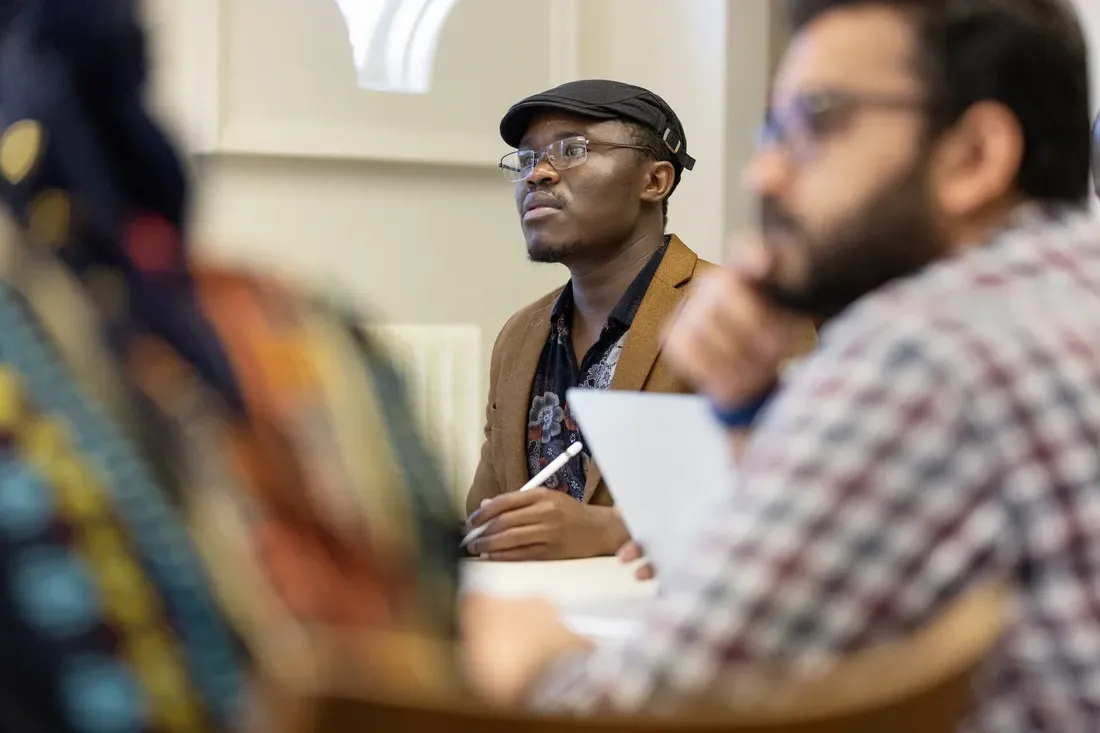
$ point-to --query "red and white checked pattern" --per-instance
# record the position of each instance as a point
(946, 432)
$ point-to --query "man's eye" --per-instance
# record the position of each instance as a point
(527, 159)
(821, 115)
(575, 150)
(824, 121)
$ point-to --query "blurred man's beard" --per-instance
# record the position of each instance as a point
(892, 235)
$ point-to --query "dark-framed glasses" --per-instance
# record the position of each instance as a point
(562, 155)
(809, 119)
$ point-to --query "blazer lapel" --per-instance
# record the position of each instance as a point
(643, 343)
(514, 397)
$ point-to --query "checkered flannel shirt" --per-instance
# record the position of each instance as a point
(946, 432)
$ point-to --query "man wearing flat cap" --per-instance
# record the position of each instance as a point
(594, 166)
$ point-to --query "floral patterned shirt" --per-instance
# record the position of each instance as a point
(550, 426)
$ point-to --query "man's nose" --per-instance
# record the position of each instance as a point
(542, 173)
(768, 173)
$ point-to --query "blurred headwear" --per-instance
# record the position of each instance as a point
(87, 172)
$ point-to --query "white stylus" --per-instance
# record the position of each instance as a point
(536, 481)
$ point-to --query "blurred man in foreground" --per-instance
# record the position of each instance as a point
(924, 176)
(146, 402)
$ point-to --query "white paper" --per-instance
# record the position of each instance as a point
(604, 629)
(598, 598)
(599, 583)
(666, 461)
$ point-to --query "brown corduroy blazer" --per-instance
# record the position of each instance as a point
(503, 465)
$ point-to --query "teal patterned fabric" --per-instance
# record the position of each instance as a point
(50, 588)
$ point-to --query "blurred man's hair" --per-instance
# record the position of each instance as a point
(1030, 55)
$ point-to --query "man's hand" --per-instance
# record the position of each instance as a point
(728, 341)
(631, 552)
(508, 643)
(542, 524)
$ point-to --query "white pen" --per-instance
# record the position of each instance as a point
(536, 481)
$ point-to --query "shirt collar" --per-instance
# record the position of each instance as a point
(623, 313)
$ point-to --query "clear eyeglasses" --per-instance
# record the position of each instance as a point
(562, 155)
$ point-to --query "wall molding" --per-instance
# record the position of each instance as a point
(201, 23)
(565, 52)
(211, 132)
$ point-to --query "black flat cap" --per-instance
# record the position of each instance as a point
(603, 100)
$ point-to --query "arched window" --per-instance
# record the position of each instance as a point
(394, 41)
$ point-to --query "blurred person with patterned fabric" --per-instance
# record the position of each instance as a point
(155, 414)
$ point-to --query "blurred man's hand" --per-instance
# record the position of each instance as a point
(508, 643)
(729, 341)
(630, 553)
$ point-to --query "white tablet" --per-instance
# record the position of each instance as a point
(666, 461)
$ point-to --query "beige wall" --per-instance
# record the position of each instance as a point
(1089, 11)
(752, 35)
(1090, 15)
(290, 173)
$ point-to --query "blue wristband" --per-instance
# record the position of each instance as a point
(740, 417)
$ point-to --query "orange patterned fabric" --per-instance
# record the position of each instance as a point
(285, 479)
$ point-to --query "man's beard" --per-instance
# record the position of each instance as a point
(892, 235)
(550, 254)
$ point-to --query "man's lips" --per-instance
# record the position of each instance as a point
(539, 204)
(539, 212)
